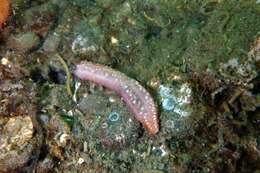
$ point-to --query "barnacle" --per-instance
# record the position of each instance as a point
(113, 116)
(4, 11)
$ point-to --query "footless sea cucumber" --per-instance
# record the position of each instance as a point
(4, 11)
(138, 100)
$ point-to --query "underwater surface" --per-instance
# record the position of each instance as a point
(130, 86)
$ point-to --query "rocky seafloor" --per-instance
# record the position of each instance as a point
(200, 61)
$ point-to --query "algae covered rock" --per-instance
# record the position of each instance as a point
(41, 18)
(21, 136)
(24, 42)
(87, 39)
(111, 125)
(52, 42)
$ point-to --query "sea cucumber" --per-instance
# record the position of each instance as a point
(4, 11)
(137, 99)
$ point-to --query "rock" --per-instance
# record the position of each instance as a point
(24, 42)
(18, 131)
(107, 122)
(51, 43)
(40, 19)
(177, 108)
(82, 44)
(87, 40)
(92, 104)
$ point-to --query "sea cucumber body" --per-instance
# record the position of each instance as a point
(139, 101)
(4, 11)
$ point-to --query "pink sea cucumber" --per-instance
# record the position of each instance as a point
(138, 100)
